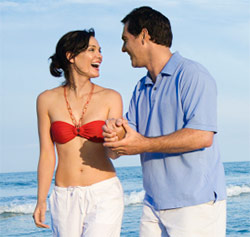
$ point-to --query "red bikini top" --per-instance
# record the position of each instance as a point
(63, 132)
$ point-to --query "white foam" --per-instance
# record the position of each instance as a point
(15, 208)
(134, 198)
(129, 199)
(236, 190)
(137, 197)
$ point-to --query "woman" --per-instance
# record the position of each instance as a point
(87, 199)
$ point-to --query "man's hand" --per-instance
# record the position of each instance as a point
(132, 143)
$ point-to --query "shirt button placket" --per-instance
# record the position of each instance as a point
(153, 94)
(154, 90)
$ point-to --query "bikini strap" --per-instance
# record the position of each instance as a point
(84, 109)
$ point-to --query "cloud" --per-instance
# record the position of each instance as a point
(24, 6)
(240, 107)
(89, 2)
(8, 4)
(21, 146)
(121, 2)
(223, 6)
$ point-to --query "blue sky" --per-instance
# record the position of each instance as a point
(213, 32)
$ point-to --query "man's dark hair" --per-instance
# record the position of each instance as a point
(157, 24)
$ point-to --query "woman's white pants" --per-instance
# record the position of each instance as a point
(91, 211)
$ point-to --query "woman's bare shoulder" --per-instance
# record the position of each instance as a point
(107, 92)
(50, 95)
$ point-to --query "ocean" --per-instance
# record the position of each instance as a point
(18, 198)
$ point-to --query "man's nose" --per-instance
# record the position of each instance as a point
(123, 48)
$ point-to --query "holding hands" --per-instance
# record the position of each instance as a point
(122, 139)
(113, 130)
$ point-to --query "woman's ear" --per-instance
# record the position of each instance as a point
(70, 57)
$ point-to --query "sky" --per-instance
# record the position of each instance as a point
(213, 32)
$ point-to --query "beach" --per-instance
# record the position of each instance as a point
(18, 198)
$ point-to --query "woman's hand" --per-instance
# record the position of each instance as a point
(39, 215)
(113, 130)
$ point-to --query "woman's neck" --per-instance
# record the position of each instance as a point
(80, 86)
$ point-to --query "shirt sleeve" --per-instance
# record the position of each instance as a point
(199, 99)
(131, 114)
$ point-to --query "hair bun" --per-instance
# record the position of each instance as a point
(55, 68)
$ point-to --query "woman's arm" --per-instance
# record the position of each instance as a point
(47, 159)
(115, 112)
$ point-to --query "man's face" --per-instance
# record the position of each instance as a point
(132, 45)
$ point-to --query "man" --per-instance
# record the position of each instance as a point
(172, 125)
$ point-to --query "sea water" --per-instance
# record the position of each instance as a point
(18, 198)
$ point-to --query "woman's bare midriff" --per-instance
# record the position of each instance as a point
(82, 163)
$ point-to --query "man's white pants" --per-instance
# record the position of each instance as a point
(204, 220)
(91, 211)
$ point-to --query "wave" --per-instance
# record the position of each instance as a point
(236, 190)
(17, 208)
(18, 184)
(232, 190)
(132, 198)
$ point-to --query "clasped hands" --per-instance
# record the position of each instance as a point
(121, 138)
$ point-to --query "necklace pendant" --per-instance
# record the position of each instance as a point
(83, 109)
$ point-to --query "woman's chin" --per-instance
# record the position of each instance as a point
(94, 75)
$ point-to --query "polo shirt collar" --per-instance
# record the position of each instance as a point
(168, 69)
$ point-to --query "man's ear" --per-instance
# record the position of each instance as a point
(144, 34)
(70, 57)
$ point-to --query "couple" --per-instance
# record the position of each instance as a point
(171, 123)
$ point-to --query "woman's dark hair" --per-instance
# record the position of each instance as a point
(157, 24)
(73, 42)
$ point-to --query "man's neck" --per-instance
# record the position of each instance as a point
(159, 56)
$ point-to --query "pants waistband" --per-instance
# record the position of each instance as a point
(95, 186)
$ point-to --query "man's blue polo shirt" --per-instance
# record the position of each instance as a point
(183, 96)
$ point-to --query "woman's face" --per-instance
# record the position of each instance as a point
(87, 63)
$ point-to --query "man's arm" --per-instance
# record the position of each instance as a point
(183, 140)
